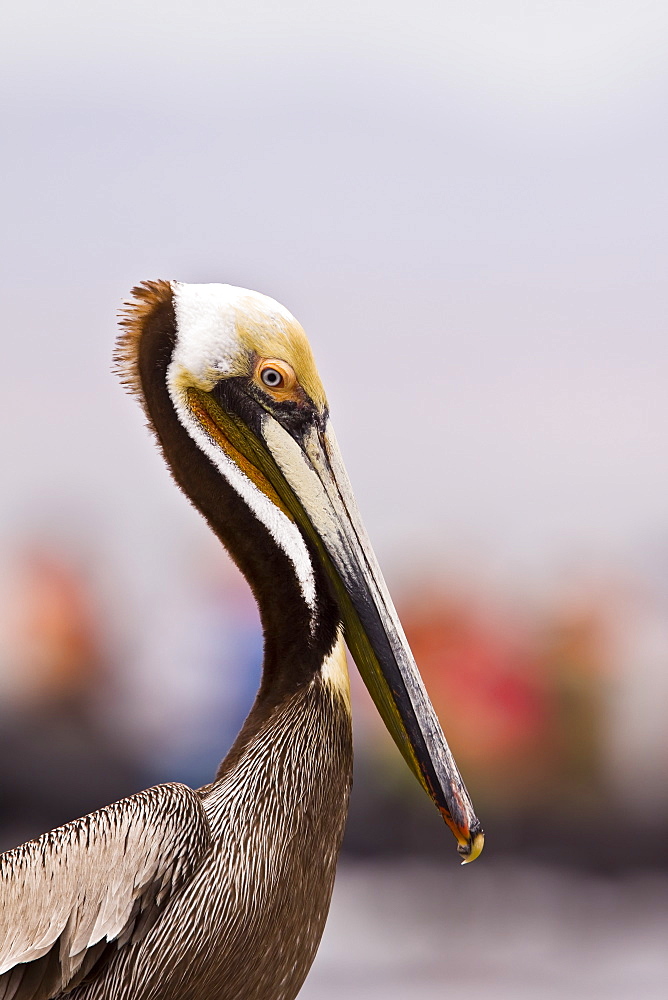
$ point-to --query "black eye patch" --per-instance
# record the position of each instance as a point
(243, 398)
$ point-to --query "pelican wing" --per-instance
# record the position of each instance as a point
(76, 894)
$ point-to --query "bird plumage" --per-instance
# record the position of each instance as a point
(84, 890)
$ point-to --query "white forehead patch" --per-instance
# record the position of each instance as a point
(206, 324)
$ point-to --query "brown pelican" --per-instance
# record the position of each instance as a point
(223, 892)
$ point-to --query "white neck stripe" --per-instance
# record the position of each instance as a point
(285, 532)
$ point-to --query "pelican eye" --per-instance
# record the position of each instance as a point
(276, 377)
(272, 378)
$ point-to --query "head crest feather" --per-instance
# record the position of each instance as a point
(133, 316)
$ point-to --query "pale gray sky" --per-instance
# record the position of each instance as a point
(464, 203)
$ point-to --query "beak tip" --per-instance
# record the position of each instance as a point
(471, 848)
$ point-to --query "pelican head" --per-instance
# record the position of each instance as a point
(228, 374)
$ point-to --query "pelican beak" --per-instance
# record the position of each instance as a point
(313, 469)
(305, 469)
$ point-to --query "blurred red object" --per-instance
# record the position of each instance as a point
(482, 678)
(54, 636)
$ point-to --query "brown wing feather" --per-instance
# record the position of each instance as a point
(103, 878)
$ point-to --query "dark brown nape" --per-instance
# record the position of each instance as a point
(293, 651)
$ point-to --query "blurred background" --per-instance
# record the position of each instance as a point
(465, 205)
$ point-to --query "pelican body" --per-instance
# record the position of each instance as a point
(222, 893)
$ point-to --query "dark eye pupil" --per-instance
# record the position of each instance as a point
(271, 377)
